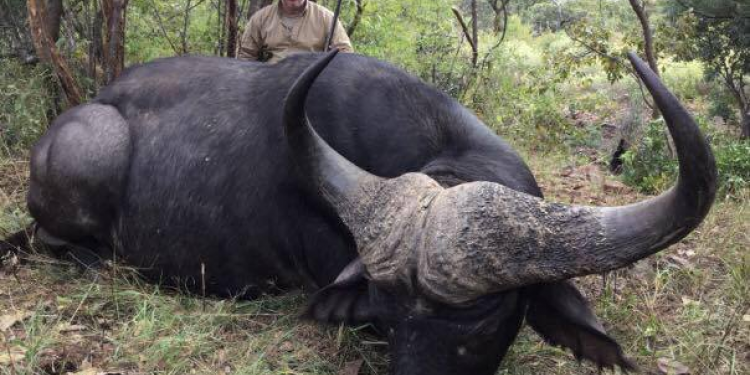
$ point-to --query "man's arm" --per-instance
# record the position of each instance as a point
(341, 40)
(250, 43)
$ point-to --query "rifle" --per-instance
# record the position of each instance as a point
(329, 38)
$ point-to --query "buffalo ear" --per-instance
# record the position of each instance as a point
(561, 315)
(346, 300)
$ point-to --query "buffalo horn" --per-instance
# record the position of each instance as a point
(477, 238)
(486, 238)
(343, 185)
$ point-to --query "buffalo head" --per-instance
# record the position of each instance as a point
(450, 273)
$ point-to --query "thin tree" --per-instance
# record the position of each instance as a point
(474, 33)
(17, 36)
(184, 32)
(115, 12)
(639, 7)
(47, 50)
(231, 26)
(357, 17)
(471, 35)
(640, 10)
(54, 18)
(716, 32)
(500, 20)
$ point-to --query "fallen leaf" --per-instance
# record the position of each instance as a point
(614, 187)
(351, 368)
(679, 262)
(85, 365)
(88, 371)
(286, 346)
(65, 327)
(567, 171)
(12, 355)
(687, 253)
(221, 355)
(746, 318)
(688, 301)
(8, 320)
(671, 367)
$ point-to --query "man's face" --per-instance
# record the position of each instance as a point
(293, 5)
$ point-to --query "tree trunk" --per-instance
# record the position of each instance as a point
(648, 36)
(16, 32)
(184, 34)
(474, 33)
(54, 17)
(465, 29)
(357, 17)
(96, 46)
(737, 88)
(221, 19)
(231, 25)
(500, 18)
(114, 46)
(47, 50)
(639, 7)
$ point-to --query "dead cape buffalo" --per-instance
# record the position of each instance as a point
(417, 217)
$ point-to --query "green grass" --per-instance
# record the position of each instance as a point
(25, 101)
(122, 324)
(686, 304)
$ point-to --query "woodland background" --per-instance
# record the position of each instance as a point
(548, 75)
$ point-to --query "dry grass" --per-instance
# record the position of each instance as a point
(688, 305)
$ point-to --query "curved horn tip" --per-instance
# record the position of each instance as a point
(304, 80)
(328, 56)
(317, 67)
(640, 66)
(294, 102)
(632, 56)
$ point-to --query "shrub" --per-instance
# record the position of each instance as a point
(25, 100)
(649, 167)
(722, 104)
(683, 78)
(733, 161)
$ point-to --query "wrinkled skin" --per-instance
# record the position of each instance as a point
(181, 164)
(427, 337)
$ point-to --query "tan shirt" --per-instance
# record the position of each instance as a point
(280, 36)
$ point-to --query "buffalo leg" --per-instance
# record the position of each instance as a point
(34, 239)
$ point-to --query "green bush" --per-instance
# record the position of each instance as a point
(649, 167)
(417, 37)
(683, 78)
(733, 161)
(722, 104)
(520, 97)
(25, 100)
(155, 29)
